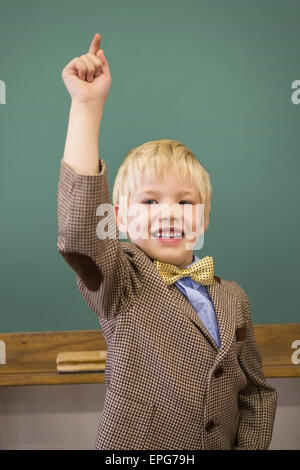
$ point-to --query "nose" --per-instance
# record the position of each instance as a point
(170, 213)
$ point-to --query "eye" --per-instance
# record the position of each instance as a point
(148, 201)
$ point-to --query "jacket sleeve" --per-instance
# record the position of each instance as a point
(258, 401)
(105, 276)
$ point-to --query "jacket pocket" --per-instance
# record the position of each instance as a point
(234, 430)
(241, 333)
(124, 423)
(240, 338)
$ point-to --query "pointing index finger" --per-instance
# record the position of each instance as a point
(95, 44)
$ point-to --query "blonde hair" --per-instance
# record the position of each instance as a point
(155, 160)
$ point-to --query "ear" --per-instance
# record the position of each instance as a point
(122, 226)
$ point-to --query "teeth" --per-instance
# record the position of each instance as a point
(168, 235)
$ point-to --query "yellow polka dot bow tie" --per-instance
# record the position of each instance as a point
(202, 271)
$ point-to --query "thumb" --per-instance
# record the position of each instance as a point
(100, 54)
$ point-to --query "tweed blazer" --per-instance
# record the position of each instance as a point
(168, 385)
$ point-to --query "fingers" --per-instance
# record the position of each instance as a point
(91, 65)
(88, 67)
(95, 43)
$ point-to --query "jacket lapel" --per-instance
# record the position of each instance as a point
(226, 307)
(185, 307)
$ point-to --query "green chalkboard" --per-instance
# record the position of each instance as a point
(217, 75)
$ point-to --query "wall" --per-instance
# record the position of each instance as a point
(66, 416)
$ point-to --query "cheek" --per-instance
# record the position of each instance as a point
(139, 225)
(198, 217)
(189, 216)
(193, 219)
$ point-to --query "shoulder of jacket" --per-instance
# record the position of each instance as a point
(132, 249)
(236, 289)
(137, 257)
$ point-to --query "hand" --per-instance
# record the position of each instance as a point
(87, 78)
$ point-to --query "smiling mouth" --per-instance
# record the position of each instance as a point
(168, 235)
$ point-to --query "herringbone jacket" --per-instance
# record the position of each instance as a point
(168, 385)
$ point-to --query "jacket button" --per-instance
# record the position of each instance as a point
(219, 372)
(209, 426)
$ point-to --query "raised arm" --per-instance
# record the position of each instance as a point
(105, 276)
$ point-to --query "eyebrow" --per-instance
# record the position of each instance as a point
(151, 191)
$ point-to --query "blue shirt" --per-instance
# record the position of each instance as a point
(198, 296)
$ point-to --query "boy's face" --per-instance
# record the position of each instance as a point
(162, 207)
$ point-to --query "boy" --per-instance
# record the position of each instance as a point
(183, 370)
